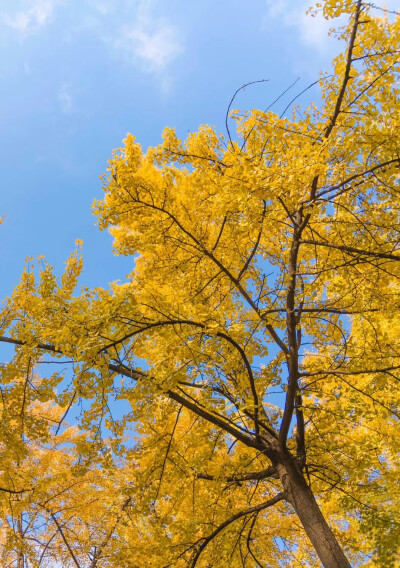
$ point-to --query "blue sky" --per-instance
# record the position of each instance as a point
(77, 75)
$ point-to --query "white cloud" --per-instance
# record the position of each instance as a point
(103, 7)
(33, 15)
(65, 99)
(313, 31)
(154, 49)
(390, 5)
(149, 41)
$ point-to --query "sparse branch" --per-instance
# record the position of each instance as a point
(63, 417)
(249, 540)
(99, 552)
(60, 530)
(46, 546)
(231, 103)
(222, 526)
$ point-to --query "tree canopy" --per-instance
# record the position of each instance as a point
(256, 341)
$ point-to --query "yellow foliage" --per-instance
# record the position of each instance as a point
(255, 344)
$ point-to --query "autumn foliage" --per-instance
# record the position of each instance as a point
(255, 344)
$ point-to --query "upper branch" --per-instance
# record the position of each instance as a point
(199, 246)
(291, 326)
(220, 334)
(346, 76)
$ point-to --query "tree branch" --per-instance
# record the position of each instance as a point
(346, 76)
(222, 526)
(352, 250)
(254, 476)
(59, 528)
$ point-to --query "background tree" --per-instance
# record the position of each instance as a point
(264, 308)
(58, 501)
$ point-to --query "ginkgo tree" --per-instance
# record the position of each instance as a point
(256, 340)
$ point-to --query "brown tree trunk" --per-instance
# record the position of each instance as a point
(20, 554)
(303, 501)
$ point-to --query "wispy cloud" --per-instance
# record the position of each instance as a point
(313, 31)
(154, 49)
(139, 31)
(65, 99)
(103, 7)
(150, 42)
(33, 15)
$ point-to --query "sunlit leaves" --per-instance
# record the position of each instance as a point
(256, 338)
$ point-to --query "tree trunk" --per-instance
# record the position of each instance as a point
(302, 499)
(20, 554)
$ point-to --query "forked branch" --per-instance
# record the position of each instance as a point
(222, 526)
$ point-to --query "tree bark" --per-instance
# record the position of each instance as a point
(20, 554)
(300, 496)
